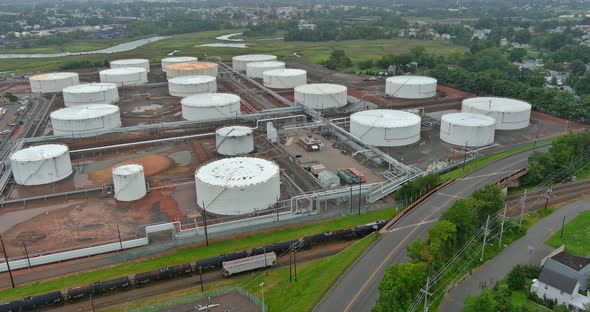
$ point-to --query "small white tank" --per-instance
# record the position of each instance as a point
(175, 60)
(192, 69)
(321, 95)
(41, 164)
(126, 76)
(385, 127)
(210, 106)
(53, 82)
(91, 93)
(509, 114)
(410, 87)
(284, 78)
(129, 182)
(256, 69)
(141, 63)
(466, 129)
(234, 140)
(240, 62)
(79, 120)
(189, 85)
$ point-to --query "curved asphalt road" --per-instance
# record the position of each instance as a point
(357, 290)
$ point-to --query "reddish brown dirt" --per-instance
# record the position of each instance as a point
(152, 165)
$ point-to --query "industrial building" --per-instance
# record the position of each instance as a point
(41, 164)
(175, 60)
(91, 93)
(210, 106)
(124, 76)
(410, 87)
(382, 127)
(256, 69)
(77, 121)
(466, 129)
(192, 69)
(509, 114)
(240, 62)
(234, 140)
(129, 182)
(141, 63)
(321, 95)
(54, 82)
(189, 85)
(284, 78)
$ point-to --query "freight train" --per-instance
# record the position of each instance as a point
(181, 270)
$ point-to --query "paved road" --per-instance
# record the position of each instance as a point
(516, 253)
(358, 288)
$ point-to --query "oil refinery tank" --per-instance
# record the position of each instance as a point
(41, 164)
(129, 182)
(466, 129)
(91, 93)
(188, 85)
(239, 62)
(192, 69)
(210, 106)
(126, 76)
(141, 63)
(410, 87)
(53, 82)
(234, 140)
(81, 119)
(238, 185)
(385, 127)
(284, 78)
(175, 60)
(321, 95)
(255, 69)
(509, 114)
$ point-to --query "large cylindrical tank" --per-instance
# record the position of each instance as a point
(81, 119)
(41, 164)
(321, 95)
(465, 129)
(385, 127)
(256, 69)
(129, 182)
(189, 85)
(192, 69)
(410, 87)
(91, 93)
(234, 140)
(54, 82)
(509, 114)
(238, 185)
(284, 78)
(240, 62)
(126, 76)
(141, 63)
(209, 106)
(175, 60)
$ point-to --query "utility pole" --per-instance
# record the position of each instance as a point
(27, 254)
(277, 209)
(120, 241)
(295, 264)
(290, 265)
(547, 196)
(201, 277)
(205, 221)
(562, 226)
(465, 156)
(502, 227)
(7, 261)
(265, 263)
(426, 293)
(522, 208)
(486, 232)
(360, 192)
(92, 303)
(350, 199)
(262, 289)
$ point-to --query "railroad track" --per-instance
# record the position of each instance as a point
(560, 193)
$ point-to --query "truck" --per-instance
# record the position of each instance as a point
(359, 174)
(249, 263)
(351, 176)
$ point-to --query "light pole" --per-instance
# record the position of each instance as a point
(262, 289)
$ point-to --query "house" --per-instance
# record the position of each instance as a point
(307, 26)
(564, 290)
(571, 266)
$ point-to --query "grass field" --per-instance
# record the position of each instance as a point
(576, 235)
(314, 52)
(191, 254)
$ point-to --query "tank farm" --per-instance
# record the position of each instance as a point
(141, 154)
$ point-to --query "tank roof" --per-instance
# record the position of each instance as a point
(237, 171)
(128, 169)
(90, 87)
(497, 104)
(469, 120)
(385, 118)
(234, 131)
(285, 72)
(192, 79)
(210, 99)
(254, 57)
(129, 61)
(123, 71)
(321, 88)
(39, 152)
(191, 66)
(179, 59)
(82, 112)
(411, 80)
(265, 64)
(54, 76)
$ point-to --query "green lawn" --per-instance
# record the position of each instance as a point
(193, 253)
(519, 299)
(576, 235)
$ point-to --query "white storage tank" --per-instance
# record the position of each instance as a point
(192, 69)
(91, 93)
(53, 82)
(81, 119)
(141, 63)
(129, 182)
(210, 106)
(188, 85)
(240, 62)
(410, 87)
(385, 127)
(321, 95)
(238, 185)
(255, 69)
(41, 164)
(127, 76)
(465, 129)
(284, 78)
(175, 60)
(509, 114)
(234, 140)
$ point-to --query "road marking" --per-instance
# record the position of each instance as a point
(355, 297)
(488, 175)
(409, 226)
(449, 195)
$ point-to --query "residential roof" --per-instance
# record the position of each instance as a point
(574, 262)
(558, 281)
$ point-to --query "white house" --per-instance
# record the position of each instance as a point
(565, 290)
